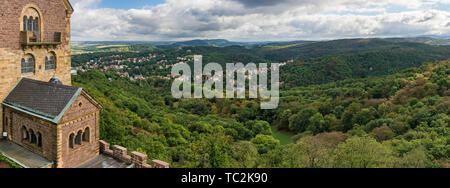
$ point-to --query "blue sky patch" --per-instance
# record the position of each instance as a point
(129, 4)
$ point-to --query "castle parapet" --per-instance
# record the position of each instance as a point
(160, 164)
(120, 153)
(138, 159)
(104, 148)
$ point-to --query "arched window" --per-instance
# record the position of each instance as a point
(33, 137)
(50, 61)
(71, 137)
(31, 19)
(27, 64)
(25, 23)
(86, 135)
(39, 139)
(78, 138)
(25, 135)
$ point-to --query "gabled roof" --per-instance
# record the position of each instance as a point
(68, 6)
(42, 99)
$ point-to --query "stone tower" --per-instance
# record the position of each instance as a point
(34, 42)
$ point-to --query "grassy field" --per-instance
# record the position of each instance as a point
(99, 48)
(283, 137)
(273, 47)
(111, 46)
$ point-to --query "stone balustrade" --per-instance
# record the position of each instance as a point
(138, 159)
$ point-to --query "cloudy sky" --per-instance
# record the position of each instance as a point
(256, 20)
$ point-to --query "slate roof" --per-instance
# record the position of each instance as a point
(42, 99)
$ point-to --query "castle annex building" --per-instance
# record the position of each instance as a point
(46, 122)
(57, 122)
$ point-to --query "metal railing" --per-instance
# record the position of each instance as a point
(36, 38)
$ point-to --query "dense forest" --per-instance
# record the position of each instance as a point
(393, 118)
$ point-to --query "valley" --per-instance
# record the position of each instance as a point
(380, 100)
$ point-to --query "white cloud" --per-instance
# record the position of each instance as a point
(243, 20)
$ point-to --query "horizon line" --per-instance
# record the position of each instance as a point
(349, 38)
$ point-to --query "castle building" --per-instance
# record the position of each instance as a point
(46, 122)
(58, 122)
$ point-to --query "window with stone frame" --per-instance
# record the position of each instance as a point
(25, 134)
(50, 61)
(27, 64)
(36, 27)
(31, 21)
(78, 138)
(86, 135)
(25, 23)
(39, 139)
(71, 139)
(33, 138)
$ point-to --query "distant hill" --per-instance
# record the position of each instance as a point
(216, 43)
(269, 45)
(325, 62)
(174, 44)
(423, 40)
(302, 50)
(279, 45)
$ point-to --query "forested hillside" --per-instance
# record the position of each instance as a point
(397, 120)
(312, 62)
(360, 64)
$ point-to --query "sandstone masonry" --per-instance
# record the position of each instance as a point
(53, 17)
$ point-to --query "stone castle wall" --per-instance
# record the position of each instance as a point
(56, 137)
(54, 18)
(79, 154)
(17, 120)
(81, 115)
